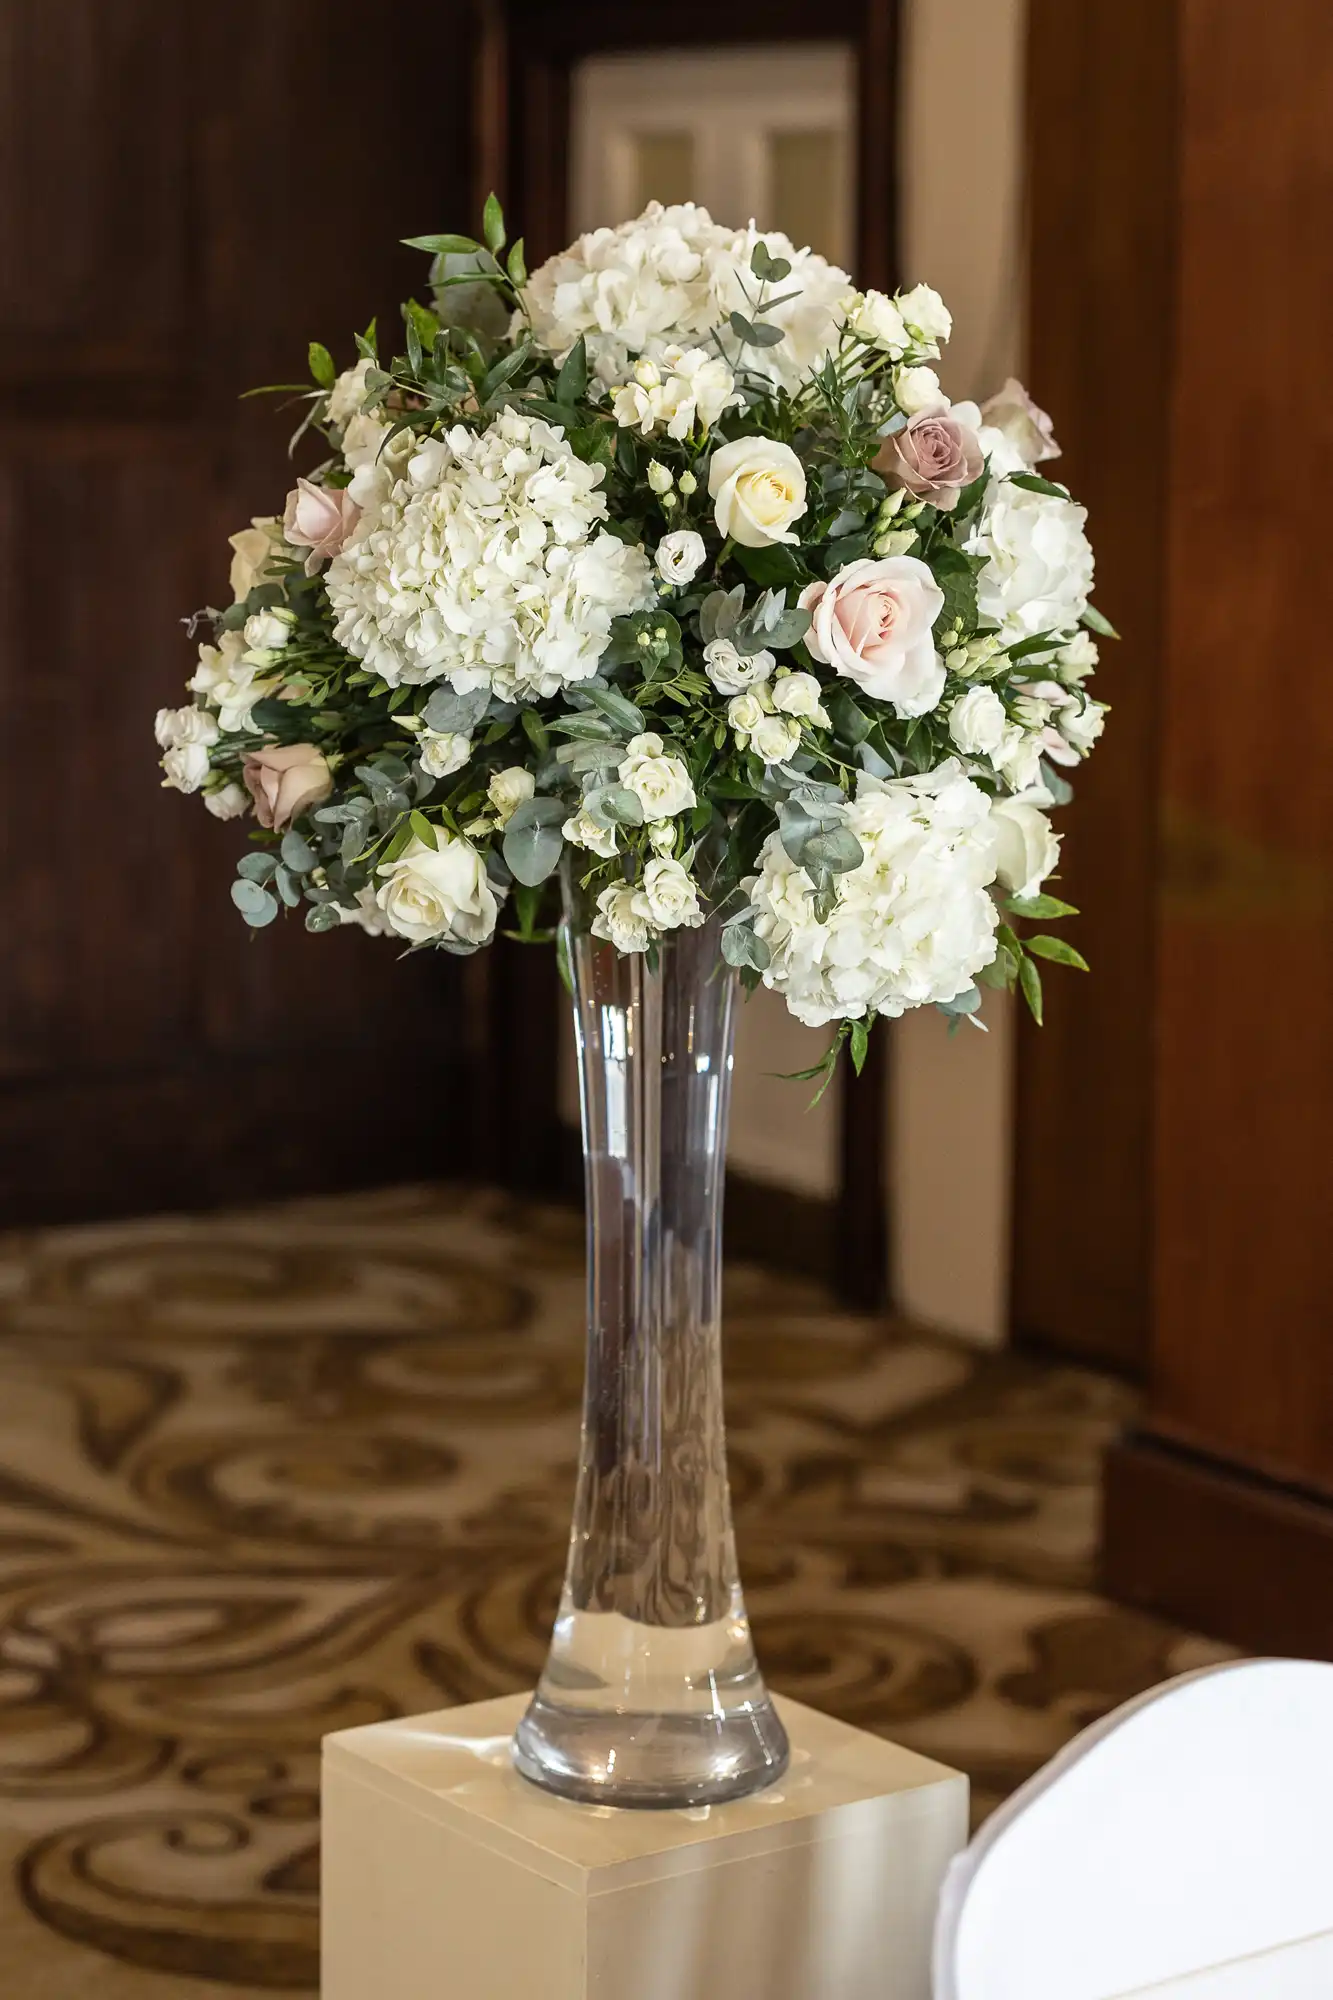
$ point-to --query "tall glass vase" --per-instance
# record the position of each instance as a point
(651, 1695)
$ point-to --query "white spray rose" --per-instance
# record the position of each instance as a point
(660, 783)
(926, 313)
(442, 751)
(662, 834)
(732, 671)
(508, 790)
(1018, 757)
(670, 895)
(976, 723)
(582, 830)
(435, 892)
(874, 318)
(746, 711)
(622, 918)
(916, 389)
(757, 487)
(1039, 563)
(1024, 845)
(679, 556)
(776, 738)
(798, 695)
(1080, 724)
(267, 631)
(1078, 659)
(227, 801)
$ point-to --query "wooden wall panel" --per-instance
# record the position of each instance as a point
(1101, 113)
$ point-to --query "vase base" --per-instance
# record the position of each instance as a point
(650, 1762)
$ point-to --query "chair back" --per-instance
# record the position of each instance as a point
(1180, 1849)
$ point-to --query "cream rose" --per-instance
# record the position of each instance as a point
(285, 779)
(873, 624)
(776, 738)
(757, 487)
(227, 801)
(622, 918)
(926, 313)
(874, 318)
(798, 695)
(508, 789)
(443, 751)
(660, 783)
(582, 830)
(319, 518)
(253, 550)
(436, 892)
(1024, 846)
(976, 723)
(670, 895)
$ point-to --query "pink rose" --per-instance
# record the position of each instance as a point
(284, 780)
(873, 624)
(319, 518)
(934, 456)
(1028, 428)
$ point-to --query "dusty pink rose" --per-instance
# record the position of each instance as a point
(935, 456)
(1027, 427)
(284, 780)
(319, 518)
(873, 623)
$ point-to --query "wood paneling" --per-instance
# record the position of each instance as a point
(1101, 120)
(188, 195)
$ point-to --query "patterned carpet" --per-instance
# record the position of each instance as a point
(271, 1474)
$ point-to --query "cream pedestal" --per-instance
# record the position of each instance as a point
(449, 1877)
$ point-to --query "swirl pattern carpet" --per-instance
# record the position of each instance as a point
(268, 1474)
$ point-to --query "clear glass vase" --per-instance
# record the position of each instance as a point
(651, 1695)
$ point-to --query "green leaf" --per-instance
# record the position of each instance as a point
(768, 269)
(772, 567)
(424, 829)
(858, 1041)
(322, 369)
(297, 853)
(1096, 622)
(851, 722)
(255, 904)
(751, 335)
(1030, 980)
(621, 710)
(1046, 908)
(441, 246)
(514, 264)
(535, 731)
(1057, 950)
(1032, 482)
(493, 225)
(572, 381)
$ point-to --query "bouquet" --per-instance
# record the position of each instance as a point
(672, 562)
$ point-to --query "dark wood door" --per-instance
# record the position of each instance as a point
(187, 196)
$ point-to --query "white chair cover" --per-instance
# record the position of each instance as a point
(1190, 1830)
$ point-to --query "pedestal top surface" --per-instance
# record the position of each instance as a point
(454, 1766)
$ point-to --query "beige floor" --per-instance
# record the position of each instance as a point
(266, 1475)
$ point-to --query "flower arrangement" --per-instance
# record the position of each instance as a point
(673, 559)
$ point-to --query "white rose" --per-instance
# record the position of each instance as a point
(1080, 727)
(176, 727)
(507, 791)
(798, 695)
(662, 834)
(622, 918)
(185, 766)
(660, 783)
(679, 556)
(670, 895)
(253, 550)
(433, 892)
(1078, 658)
(926, 313)
(442, 751)
(745, 713)
(348, 393)
(917, 389)
(776, 739)
(1024, 846)
(976, 723)
(732, 671)
(267, 631)
(757, 487)
(875, 319)
(227, 801)
(582, 830)
(1018, 757)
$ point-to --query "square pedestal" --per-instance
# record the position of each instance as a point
(449, 1877)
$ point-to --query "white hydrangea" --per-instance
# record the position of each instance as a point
(1039, 562)
(912, 923)
(484, 566)
(670, 277)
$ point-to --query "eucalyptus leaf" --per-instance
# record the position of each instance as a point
(322, 917)
(532, 853)
(287, 886)
(297, 853)
(836, 850)
(257, 867)
(255, 903)
(751, 335)
(455, 714)
(615, 805)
